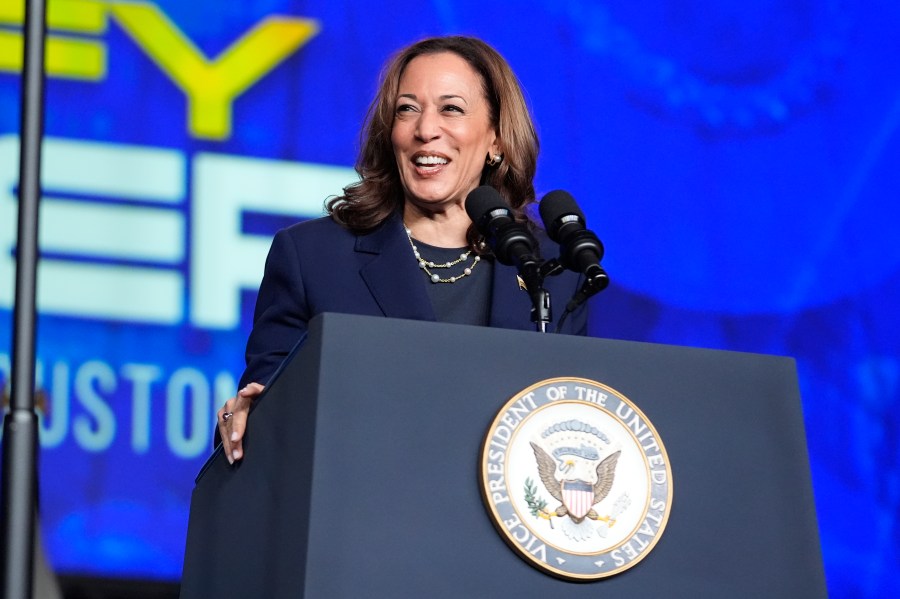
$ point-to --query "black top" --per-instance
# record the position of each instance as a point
(468, 299)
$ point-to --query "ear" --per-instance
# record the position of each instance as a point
(495, 147)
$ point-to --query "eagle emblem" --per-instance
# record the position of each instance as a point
(575, 478)
(573, 472)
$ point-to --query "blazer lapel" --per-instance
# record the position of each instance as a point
(510, 304)
(392, 275)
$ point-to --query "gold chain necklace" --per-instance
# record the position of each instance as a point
(427, 265)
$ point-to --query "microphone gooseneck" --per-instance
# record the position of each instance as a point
(580, 248)
(512, 244)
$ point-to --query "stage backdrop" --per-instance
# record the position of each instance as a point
(739, 160)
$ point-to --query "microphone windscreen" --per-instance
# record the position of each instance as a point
(556, 204)
(483, 200)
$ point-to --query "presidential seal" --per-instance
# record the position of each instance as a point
(576, 479)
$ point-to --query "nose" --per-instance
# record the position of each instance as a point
(428, 126)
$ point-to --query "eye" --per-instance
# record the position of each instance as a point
(453, 108)
(405, 108)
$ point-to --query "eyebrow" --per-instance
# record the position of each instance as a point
(442, 98)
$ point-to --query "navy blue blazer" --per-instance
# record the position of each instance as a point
(318, 266)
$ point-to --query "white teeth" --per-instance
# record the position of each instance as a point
(430, 160)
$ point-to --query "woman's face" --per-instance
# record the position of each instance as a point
(442, 131)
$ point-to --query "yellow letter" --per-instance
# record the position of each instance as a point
(68, 57)
(212, 86)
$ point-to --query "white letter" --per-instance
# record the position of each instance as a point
(225, 260)
(187, 444)
(142, 377)
(89, 437)
(86, 229)
(81, 228)
(9, 160)
(57, 406)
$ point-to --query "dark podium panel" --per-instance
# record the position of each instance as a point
(361, 470)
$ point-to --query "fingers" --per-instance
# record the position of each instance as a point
(225, 428)
(232, 421)
(251, 390)
(238, 424)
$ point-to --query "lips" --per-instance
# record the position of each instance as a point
(427, 162)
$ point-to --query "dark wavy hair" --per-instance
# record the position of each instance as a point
(369, 201)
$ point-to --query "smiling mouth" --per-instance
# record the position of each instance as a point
(427, 162)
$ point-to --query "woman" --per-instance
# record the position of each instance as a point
(449, 116)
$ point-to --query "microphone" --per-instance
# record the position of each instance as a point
(580, 249)
(511, 242)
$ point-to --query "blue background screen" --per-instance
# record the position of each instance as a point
(738, 160)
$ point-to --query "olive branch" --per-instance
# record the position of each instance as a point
(536, 504)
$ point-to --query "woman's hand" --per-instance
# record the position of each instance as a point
(232, 419)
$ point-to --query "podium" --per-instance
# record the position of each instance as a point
(360, 476)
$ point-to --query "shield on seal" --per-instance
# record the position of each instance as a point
(578, 497)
